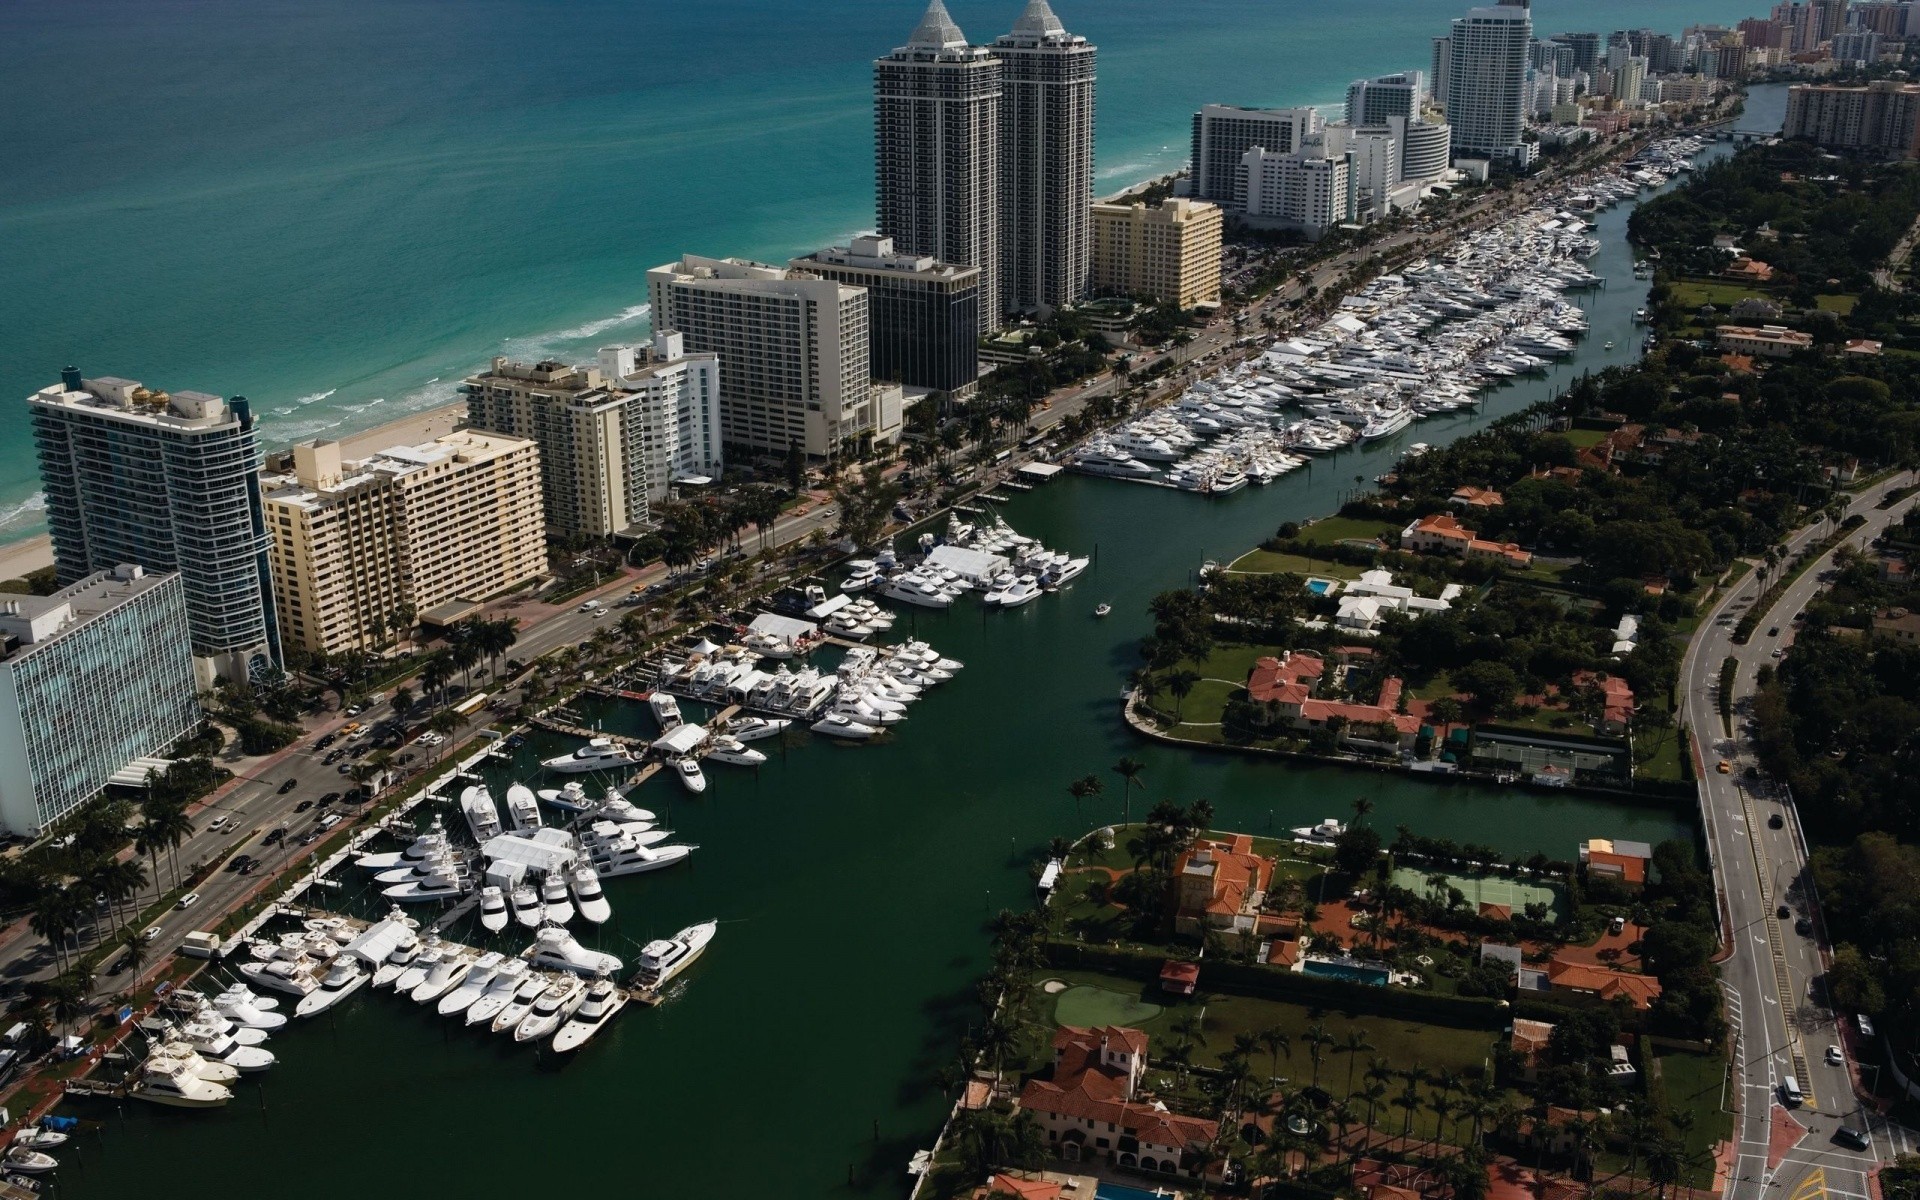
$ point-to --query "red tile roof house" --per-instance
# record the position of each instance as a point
(1089, 1110)
(1441, 534)
(1587, 979)
(1179, 978)
(1616, 712)
(1476, 497)
(1221, 885)
(1287, 685)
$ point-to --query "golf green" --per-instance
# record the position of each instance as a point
(1087, 1005)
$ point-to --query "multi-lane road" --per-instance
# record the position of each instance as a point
(1772, 978)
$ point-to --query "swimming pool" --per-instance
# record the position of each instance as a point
(1351, 972)
(1319, 587)
(1118, 1191)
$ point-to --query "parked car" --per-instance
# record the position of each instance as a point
(310, 837)
(1834, 1056)
(1803, 927)
(330, 820)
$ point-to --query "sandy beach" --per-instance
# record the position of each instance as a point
(31, 554)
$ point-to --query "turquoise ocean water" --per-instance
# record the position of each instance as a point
(340, 208)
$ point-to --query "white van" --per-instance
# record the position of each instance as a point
(1790, 1092)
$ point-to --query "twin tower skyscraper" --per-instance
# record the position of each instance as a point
(984, 157)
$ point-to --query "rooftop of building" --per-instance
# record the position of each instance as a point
(318, 475)
(129, 399)
(30, 622)
(871, 252)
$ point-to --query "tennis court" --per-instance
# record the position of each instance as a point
(1515, 894)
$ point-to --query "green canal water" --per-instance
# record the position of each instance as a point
(852, 884)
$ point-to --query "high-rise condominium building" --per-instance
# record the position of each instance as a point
(1046, 162)
(936, 141)
(169, 483)
(923, 315)
(612, 437)
(1829, 18)
(1881, 118)
(1627, 80)
(1372, 101)
(1310, 189)
(1587, 48)
(1222, 135)
(1169, 251)
(1856, 46)
(1486, 82)
(94, 679)
(361, 547)
(793, 350)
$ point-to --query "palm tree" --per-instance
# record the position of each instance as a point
(1355, 1043)
(1180, 685)
(1275, 1040)
(1081, 789)
(1188, 1027)
(65, 996)
(168, 825)
(1317, 1039)
(435, 674)
(55, 916)
(1361, 807)
(1129, 770)
(136, 947)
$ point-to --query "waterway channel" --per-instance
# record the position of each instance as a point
(852, 883)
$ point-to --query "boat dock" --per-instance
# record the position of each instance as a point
(556, 726)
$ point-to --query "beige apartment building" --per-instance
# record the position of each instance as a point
(410, 527)
(1169, 251)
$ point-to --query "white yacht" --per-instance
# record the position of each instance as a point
(522, 809)
(614, 850)
(208, 1017)
(571, 798)
(752, 729)
(555, 948)
(346, 976)
(520, 1004)
(556, 901)
(473, 984)
(171, 1083)
(242, 1007)
(431, 952)
(442, 977)
(1322, 834)
(726, 748)
(1110, 462)
(1386, 424)
(599, 754)
(589, 895)
(186, 1056)
(1024, 590)
(403, 956)
(210, 1043)
(911, 588)
(26, 1160)
(442, 880)
(507, 979)
(525, 902)
(666, 711)
(483, 817)
(602, 1001)
(292, 977)
(863, 574)
(840, 725)
(555, 1005)
(423, 848)
(665, 958)
(688, 772)
(493, 908)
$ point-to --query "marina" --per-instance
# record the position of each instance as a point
(951, 812)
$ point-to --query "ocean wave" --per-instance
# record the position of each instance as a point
(595, 328)
(315, 398)
(27, 512)
(360, 408)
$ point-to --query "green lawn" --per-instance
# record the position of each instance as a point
(1585, 439)
(1267, 562)
(1836, 304)
(1692, 293)
(1329, 530)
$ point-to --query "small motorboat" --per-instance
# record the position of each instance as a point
(1103, 610)
(688, 772)
(29, 1161)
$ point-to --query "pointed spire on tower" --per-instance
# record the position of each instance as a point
(1039, 19)
(937, 31)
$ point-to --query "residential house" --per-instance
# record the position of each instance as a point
(1441, 534)
(1764, 341)
(1895, 625)
(1087, 1106)
(1287, 686)
(1753, 308)
(1748, 270)
(1529, 1043)
(1616, 697)
(1179, 978)
(1896, 571)
(1221, 885)
(1617, 859)
(1588, 979)
(1476, 497)
(1862, 347)
(1366, 600)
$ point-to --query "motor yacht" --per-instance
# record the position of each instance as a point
(210, 1043)
(1386, 424)
(39, 1137)
(600, 1004)
(555, 948)
(402, 956)
(171, 1084)
(515, 1010)
(753, 729)
(28, 1161)
(346, 976)
(244, 1010)
(863, 574)
(589, 895)
(493, 908)
(483, 817)
(687, 770)
(442, 977)
(556, 901)
(508, 978)
(423, 848)
(839, 725)
(443, 880)
(599, 754)
(292, 977)
(666, 711)
(522, 809)
(431, 952)
(555, 1005)
(910, 587)
(664, 958)
(571, 798)
(1322, 834)
(473, 985)
(524, 900)
(616, 850)
(185, 1055)
(726, 748)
